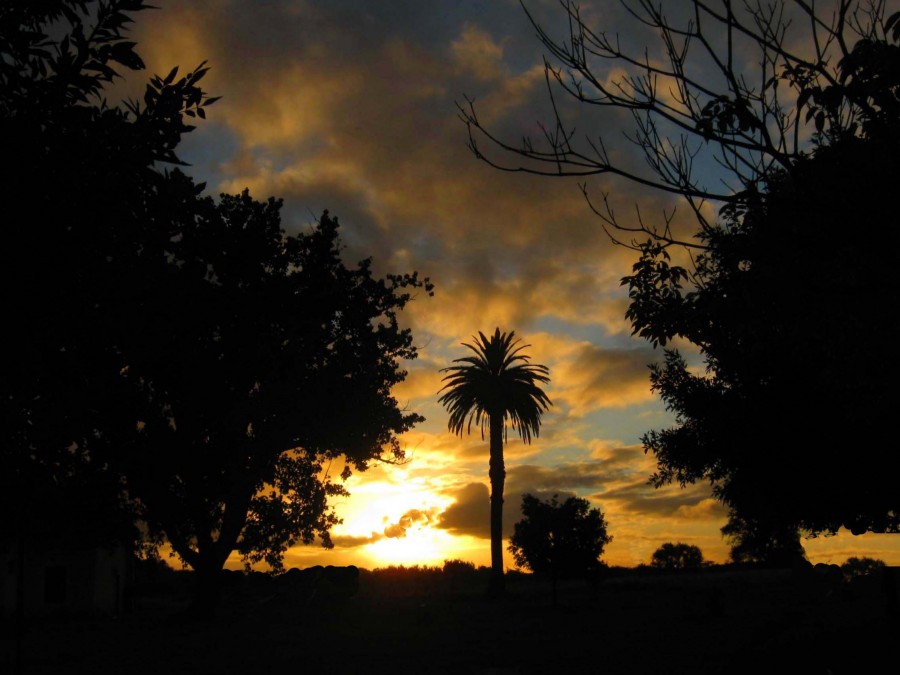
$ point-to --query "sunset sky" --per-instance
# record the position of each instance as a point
(350, 106)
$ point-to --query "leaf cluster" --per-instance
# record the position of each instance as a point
(855, 567)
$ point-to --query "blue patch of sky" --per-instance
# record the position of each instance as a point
(207, 148)
(587, 332)
(628, 424)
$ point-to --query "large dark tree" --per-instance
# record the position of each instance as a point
(186, 359)
(497, 383)
(262, 358)
(790, 309)
(86, 228)
(785, 293)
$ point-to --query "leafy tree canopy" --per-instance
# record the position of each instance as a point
(92, 229)
(207, 365)
(774, 544)
(855, 567)
(262, 359)
(559, 539)
(678, 556)
(788, 293)
(790, 310)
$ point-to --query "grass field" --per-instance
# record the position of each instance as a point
(418, 621)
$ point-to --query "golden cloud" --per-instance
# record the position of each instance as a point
(354, 109)
(477, 53)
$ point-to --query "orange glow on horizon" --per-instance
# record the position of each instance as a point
(424, 546)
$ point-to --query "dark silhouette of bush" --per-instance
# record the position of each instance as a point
(460, 575)
(459, 569)
(559, 540)
(456, 566)
(763, 543)
(855, 567)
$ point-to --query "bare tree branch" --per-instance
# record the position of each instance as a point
(734, 88)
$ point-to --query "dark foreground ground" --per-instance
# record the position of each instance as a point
(715, 622)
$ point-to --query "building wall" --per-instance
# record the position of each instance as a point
(89, 580)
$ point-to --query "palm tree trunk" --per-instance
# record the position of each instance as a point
(497, 475)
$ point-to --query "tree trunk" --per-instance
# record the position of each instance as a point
(207, 561)
(554, 574)
(207, 555)
(20, 594)
(498, 476)
(207, 587)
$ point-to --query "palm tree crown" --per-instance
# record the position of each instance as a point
(496, 380)
(494, 385)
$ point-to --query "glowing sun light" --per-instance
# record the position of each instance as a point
(420, 546)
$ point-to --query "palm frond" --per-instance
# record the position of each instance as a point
(497, 379)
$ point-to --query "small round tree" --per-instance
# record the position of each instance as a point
(857, 567)
(559, 539)
(679, 556)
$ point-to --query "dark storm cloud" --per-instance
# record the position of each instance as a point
(352, 107)
(623, 457)
(406, 521)
(470, 513)
(641, 498)
(580, 475)
(596, 377)
(351, 541)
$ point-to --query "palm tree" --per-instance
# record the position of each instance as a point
(492, 386)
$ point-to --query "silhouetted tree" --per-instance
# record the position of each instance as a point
(557, 539)
(190, 357)
(782, 294)
(679, 556)
(495, 385)
(459, 574)
(263, 358)
(770, 544)
(788, 308)
(856, 567)
(78, 177)
(89, 174)
(457, 567)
